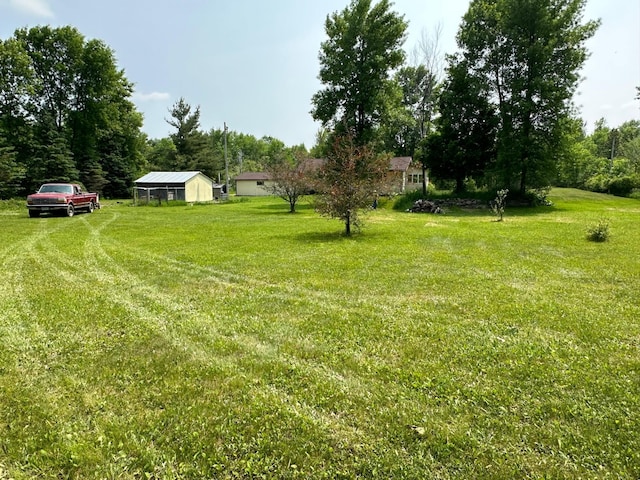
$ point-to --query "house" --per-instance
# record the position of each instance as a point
(403, 175)
(186, 186)
(253, 184)
(398, 167)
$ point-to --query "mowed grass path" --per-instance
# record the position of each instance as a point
(239, 341)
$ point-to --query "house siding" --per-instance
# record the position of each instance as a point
(251, 188)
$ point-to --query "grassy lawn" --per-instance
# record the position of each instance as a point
(239, 341)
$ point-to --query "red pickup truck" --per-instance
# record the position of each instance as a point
(64, 198)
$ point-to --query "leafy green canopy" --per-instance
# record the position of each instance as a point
(528, 54)
(65, 111)
(364, 46)
(464, 145)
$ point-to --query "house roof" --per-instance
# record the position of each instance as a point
(169, 177)
(254, 176)
(311, 164)
(396, 164)
(400, 164)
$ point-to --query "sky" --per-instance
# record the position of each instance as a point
(253, 64)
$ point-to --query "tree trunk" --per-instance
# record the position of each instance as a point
(424, 181)
(347, 224)
(523, 178)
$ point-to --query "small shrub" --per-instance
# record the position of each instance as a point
(538, 197)
(599, 231)
(499, 203)
(470, 185)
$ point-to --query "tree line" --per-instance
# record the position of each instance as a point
(497, 114)
(66, 115)
(190, 148)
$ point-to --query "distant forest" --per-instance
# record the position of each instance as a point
(497, 114)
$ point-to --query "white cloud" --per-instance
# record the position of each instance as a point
(39, 8)
(631, 104)
(151, 97)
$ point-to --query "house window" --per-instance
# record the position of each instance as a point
(260, 183)
(415, 178)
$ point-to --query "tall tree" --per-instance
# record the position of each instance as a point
(11, 172)
(529, 54)
(464, 145)
(187, 138)
(68, 109)
(363, 48)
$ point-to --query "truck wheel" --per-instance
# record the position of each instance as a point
(91, 208)
(34, 213)
(70, 210)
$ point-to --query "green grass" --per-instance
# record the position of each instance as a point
(239, 341)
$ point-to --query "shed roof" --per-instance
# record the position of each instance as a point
(169, 177)
(254, 176)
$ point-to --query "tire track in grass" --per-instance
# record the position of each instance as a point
(16, 329)
(152, 307)
(115, 284)
(252, 345)
(328, 301)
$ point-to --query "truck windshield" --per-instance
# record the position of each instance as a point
(56, 189)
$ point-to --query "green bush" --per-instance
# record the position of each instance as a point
(598, 183)
(470, 185)
(623, 186)
(537, 197)
(599, 231)
(12, 204)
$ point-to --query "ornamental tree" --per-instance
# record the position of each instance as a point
(348, 181)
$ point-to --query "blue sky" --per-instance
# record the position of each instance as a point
(254, 64)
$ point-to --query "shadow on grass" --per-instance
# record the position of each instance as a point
(282, 208)
(364, 235)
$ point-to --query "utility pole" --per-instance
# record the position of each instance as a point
(226, 163)
(614, 134)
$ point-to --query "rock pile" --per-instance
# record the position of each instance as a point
(425, 206)
(435, 206)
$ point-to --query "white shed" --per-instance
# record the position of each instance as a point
(187, 186)
(253, 184)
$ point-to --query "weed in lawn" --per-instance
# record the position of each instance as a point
(599, 231)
